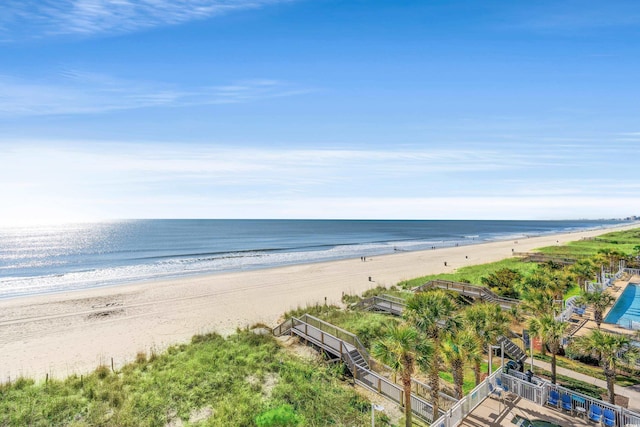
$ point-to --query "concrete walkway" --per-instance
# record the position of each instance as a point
(633, 393)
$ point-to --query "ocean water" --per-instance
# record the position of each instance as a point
(36, 260)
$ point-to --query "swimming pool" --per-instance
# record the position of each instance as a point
(626, 311)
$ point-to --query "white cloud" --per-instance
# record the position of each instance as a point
(73, 181)
(28, 18)
(88, 93)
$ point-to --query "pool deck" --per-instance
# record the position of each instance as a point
(616, 290)
(495, 412)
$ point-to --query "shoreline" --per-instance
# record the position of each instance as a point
(65, 333)
(24, 284)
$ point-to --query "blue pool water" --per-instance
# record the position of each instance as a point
(626, 311)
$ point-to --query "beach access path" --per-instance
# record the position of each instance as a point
(66, 333)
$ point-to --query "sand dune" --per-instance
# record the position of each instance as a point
(74, 332)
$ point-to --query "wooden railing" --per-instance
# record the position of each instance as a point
(540, 257)
(386, 303)
(470, 290)
(307, 319)
(282, 328)
(314, 330)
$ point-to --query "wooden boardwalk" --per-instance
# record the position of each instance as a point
(473, 291)
(396, 306)
(350, 350)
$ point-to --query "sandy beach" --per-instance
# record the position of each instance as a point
(61, 334)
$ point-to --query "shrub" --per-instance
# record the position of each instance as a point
(282, 416)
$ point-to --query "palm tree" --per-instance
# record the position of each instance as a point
(488, 322)
(582, 271)
(599, 301)
(434, 314)
(400, 349)
(538, 302)
(459, 350)
(610, 257)
(550, 285)
(550, 331)
(611, 350)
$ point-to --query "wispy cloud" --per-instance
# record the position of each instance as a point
(115, 179)
(77, 92)
(37, 18)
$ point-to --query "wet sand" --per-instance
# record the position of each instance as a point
(74, 332)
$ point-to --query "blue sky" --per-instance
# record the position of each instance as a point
(319, 109)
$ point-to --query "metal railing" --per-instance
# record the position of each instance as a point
(467, 404)
(632, 271)
(539, 390)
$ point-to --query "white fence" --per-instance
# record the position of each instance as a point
(454, 416)
(535, 390)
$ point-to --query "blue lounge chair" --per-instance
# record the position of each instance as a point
(595, 413)
(496, 391)
(566, 403)
(554, 397)
(609, 418)
(502, 386)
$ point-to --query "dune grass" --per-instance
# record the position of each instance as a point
(231, 381)
(474, 273)
(245, 379)
(623, 241)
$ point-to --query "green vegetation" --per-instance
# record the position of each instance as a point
(249, 379)
(573, 384)
(611, 350)
(367, 325)
(623, 241)
(474, 273)
(469, 376)
(246, 379)
(623, 379)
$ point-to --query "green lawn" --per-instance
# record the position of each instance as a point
(622, 379)
(469, 378)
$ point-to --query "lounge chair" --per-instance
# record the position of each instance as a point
(494, 390)
(501, 385)
(609, 418)
(595, 413)
(554, 397)
(566, 403)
